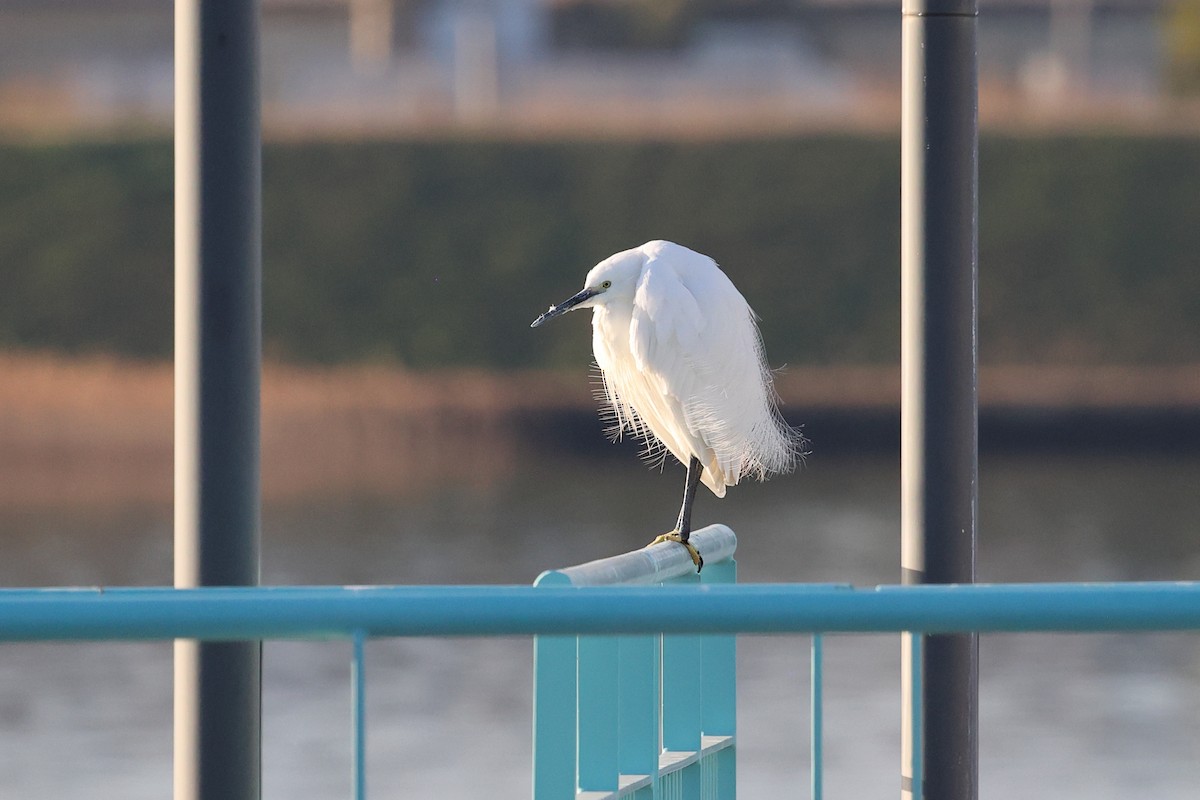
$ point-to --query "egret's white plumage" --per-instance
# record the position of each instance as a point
(682, 364)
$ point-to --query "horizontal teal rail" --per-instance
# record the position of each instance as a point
(335, 612)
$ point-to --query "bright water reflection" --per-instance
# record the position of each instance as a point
(1062, 716)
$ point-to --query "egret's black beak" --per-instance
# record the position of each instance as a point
(565, 306)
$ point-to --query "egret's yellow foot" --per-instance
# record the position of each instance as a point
(674, 536)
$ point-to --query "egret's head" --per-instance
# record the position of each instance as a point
(612, 280)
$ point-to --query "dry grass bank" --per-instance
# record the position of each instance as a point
(98, 431)
(85, 431)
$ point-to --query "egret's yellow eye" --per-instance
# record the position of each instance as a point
(606, 284)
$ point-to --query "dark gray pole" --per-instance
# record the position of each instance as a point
(939, 493)
(218, 289)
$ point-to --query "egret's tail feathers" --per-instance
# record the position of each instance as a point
(715, 478)
(747, 442)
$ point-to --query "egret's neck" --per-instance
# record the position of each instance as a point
(609, 319)
(610, 334)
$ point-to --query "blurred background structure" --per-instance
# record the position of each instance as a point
(435, 174)
(607, 66)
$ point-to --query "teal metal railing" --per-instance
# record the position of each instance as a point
(357, 614)
(639, 716)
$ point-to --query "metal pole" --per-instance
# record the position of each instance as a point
(939, 461)
(218, 289)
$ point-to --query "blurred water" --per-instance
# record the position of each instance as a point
(1062, 716)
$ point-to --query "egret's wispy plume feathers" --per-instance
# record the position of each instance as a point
(619, 418)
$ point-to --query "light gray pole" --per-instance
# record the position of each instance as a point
(218, 287)
(939, 430)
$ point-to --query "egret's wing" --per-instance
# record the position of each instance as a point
(669, 333)
(695, 339)
(654, 381)
(666, 322)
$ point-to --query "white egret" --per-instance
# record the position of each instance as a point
(683, 368)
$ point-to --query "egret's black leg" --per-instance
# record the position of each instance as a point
(684, 525)
(683, 528)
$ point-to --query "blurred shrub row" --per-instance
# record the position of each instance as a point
(441, 253)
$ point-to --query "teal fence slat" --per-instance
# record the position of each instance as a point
(555, 689)
(597, 746)
(718, 696)
(681, 681)
(554, 708)
(638, 705)
(912, 753)
(917, 727)
(718, 664)
(681, 684)
(358, 691)
(816, 745)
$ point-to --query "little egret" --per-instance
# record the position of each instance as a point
(683, 368)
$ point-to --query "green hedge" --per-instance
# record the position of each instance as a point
(441, 253)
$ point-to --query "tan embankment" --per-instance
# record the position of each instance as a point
(98, 431)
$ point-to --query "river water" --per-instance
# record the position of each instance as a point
(1078, 716)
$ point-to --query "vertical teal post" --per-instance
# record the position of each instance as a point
(817, 716)
(681, 707)
(554, 710)
(916, 729)
(358, 698)
(718, 679)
